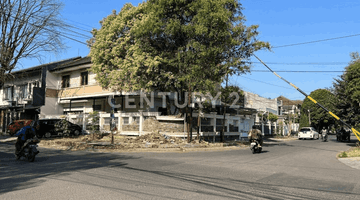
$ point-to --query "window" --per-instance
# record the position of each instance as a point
(84, 78)
(65, 81)
(137, 120)
(23, 91)
(96, 107)
(125, 120)
(205, 121)
(8, 93)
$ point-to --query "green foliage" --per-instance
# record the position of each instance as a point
(319, 117)
(347, 91)
(63, 125)
(343, 155)
(304, 119)
(230, 94)
(173, 45)
(93, 119)
(272, 117)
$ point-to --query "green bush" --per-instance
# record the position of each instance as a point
(343, 155)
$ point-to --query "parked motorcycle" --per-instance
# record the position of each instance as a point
(28, 150)
(255, 146)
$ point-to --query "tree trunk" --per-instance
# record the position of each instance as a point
(168, 105)
(189, 115)
(198, 125)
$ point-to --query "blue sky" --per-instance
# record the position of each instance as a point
(280, 23)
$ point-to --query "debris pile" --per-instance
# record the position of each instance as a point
(147, 142)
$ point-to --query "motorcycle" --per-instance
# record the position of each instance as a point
(324, 137)
(343, 135)
(255, 146)
(28, 150)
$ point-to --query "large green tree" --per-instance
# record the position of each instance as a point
(173, 46)
(347, 91)
(319, 118)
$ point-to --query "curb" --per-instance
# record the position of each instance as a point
(10, 139)
(353, 162)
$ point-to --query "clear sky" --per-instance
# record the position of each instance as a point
(281, 22)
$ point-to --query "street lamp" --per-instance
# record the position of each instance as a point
(309, 118)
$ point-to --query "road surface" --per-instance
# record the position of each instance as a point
(298, 169)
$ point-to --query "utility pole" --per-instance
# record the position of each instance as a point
(223, 123)
(309, 118)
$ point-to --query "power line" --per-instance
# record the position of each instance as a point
(315, 41)
(49, 29)
(298, 71)
(306, 63)
(267, 83)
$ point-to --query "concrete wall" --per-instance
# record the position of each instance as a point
(260, 103)
(51, 107)
(153, 125)
(53, 81)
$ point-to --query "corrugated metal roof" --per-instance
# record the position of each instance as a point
(79, 61)
(43, 65)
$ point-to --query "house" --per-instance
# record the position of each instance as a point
(263, 107)
(76, 93)
(68, 88)
(291, 112)
(290, 106)
(23, 93)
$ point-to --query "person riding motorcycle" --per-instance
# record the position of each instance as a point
(255, 134)
(323, 133)
(25, 133)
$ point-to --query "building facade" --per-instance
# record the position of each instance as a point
(24, 92)
(68, 88)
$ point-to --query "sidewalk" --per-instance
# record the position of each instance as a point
(353, 162)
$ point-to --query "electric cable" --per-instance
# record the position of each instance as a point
(58, 33)
(305, 63)
(315, 41)
(357, 134)
(267, 83)
(299, 71)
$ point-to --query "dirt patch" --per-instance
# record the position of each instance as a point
(149, 142)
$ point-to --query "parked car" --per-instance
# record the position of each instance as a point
(48, 128)
(16, 125)
(308, 133)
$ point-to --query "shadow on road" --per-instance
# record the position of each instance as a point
(20, 174)
(220, 187)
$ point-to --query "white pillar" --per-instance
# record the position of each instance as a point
(269, 123)
(101, 120)
(214, 120)
(119, 121)
(141, 121)
(84, 121)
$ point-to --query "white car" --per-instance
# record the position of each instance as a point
(308, 133)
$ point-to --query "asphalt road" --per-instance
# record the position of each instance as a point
(299, 169)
